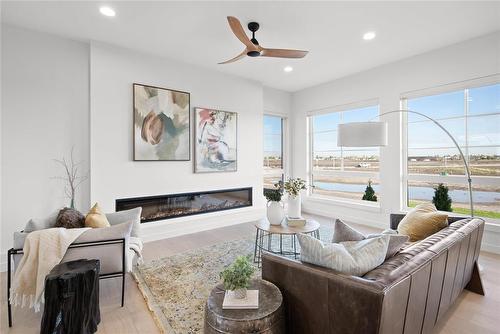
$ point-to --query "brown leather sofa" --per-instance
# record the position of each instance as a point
(408, 293)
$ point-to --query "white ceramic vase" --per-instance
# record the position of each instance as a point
(275, 212)
(294, 206)
(240, 293)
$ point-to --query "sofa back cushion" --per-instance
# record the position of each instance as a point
(36, 224)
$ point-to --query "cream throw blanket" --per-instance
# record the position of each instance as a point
(43, 250)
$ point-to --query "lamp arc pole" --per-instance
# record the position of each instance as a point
(467, 170)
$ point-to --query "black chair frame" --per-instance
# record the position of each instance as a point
(11, 252)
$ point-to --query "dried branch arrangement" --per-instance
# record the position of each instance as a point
(72, 177)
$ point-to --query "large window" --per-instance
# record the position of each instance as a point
(342, 172)
(273, 150)
(472, 116)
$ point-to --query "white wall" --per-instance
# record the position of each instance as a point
(277, 102)
(468, 60)
(116, 175)
(45, 112)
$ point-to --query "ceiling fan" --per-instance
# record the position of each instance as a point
(253, 49)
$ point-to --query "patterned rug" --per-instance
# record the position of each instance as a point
(176, 287)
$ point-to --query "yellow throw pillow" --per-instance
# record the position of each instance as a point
(95, 218)
(422, 221)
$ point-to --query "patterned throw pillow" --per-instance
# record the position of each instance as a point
(422, 221)
(350, 258)
(343, 232)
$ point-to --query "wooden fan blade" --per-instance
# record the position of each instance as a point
(238, 57)
(238, 30)
(283, 53)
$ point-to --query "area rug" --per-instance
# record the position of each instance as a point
(176, 287)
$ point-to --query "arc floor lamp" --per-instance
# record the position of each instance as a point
(373, 134)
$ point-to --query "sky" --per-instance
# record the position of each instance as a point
(482, 123)
(272, 136)
(424, 137)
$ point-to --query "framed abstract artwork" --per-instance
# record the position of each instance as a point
(161, 124)
(216, 141)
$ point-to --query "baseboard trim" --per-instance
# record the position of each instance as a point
(3, 262)
(485, 247)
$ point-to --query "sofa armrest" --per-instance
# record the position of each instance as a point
(320, 300)
(396, 218)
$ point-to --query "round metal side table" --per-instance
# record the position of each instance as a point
(265, 233)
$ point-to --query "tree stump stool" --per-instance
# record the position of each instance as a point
(72, 298)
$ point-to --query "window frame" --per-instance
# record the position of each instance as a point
(339, 173)
(464, 86)
(284, 149)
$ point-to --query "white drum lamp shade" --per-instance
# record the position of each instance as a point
(362, 134)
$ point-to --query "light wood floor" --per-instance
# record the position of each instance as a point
(470, 314)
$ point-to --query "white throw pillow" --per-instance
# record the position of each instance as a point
(131, 215)
(343, 232)
(350, 257)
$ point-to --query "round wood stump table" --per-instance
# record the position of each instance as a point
(269, 318)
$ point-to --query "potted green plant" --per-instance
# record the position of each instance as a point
(236, 277)
(293, 186)
(275, 210)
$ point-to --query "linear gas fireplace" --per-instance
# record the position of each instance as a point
(186, 204)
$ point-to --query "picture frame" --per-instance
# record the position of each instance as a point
(162, 124)
(216, 141)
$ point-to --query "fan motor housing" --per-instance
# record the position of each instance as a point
(253, 53)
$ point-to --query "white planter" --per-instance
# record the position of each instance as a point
(275, 213)
(294, 206)
(240, 293)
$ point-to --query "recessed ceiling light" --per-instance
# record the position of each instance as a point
(288, 69)
(107, 11)
(369, 35)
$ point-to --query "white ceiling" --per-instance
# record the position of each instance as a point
(198, 33)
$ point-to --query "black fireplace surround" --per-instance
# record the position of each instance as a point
(186, 204)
